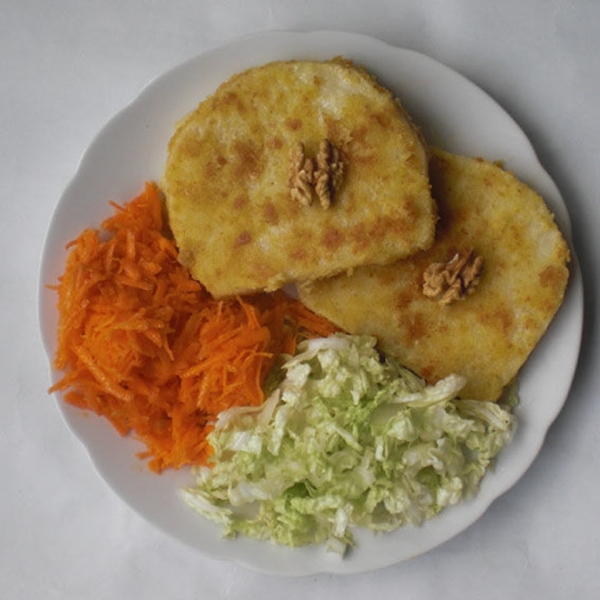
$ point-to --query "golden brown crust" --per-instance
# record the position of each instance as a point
(226, 178)
(489, 334)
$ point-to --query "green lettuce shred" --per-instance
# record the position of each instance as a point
(346, 440)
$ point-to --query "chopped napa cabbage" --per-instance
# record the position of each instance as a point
(346, 440)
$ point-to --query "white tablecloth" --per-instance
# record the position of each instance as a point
(65, 69)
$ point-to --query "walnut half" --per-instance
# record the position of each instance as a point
(301, 176)
(321, 178)
(455, 279)
(329, 174)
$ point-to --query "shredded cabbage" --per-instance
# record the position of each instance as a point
(346, 440)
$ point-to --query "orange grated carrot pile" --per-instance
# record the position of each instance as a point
(144, 345)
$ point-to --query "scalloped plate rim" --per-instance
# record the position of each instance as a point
(510, 143)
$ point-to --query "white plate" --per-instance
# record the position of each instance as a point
(455, 115)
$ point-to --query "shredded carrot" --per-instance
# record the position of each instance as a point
(146, 346)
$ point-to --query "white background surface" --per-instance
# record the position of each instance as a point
(65, 69)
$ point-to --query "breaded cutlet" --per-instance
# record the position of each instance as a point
(229, 177)
(492, 326)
